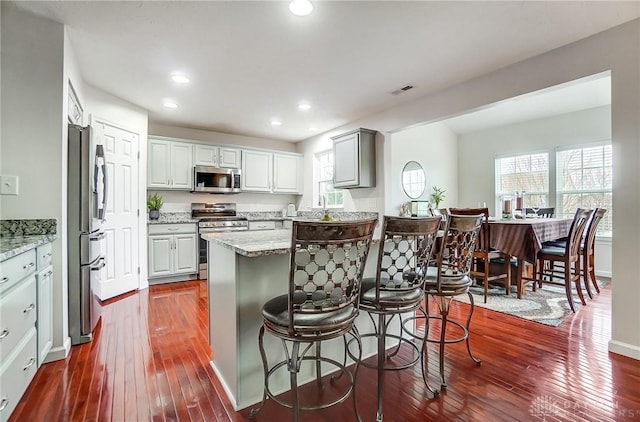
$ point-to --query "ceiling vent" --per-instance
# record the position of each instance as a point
(403, 89)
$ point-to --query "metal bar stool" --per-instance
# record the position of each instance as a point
(326, 267)
(450, 278)
(405, 248)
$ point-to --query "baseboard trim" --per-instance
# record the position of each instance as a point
(60, 352)
(624, 349)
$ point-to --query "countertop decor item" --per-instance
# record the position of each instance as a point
(154, 203)
(437, 196)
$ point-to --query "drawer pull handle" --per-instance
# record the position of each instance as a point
(29, 308)
(4, 403)
(45, 256)
(30, 364)
(4, 333)
(4, 280)
(173, 230)
(29, 265)
(48, 273)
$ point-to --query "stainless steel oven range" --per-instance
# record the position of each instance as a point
(213, 218)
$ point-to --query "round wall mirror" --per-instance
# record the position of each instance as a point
(413, 179)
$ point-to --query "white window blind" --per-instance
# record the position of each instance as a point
(585, 180)
(324, 181)
(526, 172)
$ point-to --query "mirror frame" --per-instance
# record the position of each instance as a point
(413, 166)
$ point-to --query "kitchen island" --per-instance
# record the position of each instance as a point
(246, 269)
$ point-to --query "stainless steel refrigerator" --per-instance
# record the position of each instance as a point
(86, 207)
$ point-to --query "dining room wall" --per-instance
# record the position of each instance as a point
(477, 152)
(435, 148)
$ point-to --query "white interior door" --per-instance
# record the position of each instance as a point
(121, 147)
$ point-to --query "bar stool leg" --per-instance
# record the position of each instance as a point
(471, 308)
(254, 411)
(294, 366)
(382, 331)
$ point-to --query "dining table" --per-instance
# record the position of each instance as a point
(523, 239)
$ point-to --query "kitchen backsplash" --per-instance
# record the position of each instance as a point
(9, 228)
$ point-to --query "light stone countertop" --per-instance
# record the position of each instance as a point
(12, 246)
(253, 243)
(173, 217)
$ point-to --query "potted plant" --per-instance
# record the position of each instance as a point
(154, 203)
(437, 196)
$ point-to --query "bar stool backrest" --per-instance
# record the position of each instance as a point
(407, 245)
(455, 255)
(327, 263)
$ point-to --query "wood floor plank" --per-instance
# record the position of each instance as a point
(149, 360)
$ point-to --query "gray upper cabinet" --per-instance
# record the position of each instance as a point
(354, 159)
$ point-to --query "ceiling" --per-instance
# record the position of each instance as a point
(253, 61)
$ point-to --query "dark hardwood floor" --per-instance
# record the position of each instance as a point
(150, 361)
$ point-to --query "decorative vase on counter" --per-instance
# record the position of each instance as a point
(154, 214)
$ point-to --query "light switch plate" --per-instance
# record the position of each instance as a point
(8, 185)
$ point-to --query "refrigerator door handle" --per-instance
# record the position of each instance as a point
(101, 264)
(96, 236)
(105, 191)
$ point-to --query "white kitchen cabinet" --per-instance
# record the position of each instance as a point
(256, 171)
(271, 172)
(262, 225)
(354, 158)
(44, 288)
(172, 249)
(170, 165)
(287, 173)
(18, 335)
(214, 156)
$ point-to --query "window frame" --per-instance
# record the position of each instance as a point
(498, 178)
(317, 181)
(559, 180)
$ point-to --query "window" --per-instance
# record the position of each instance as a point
(528, 173)
(584, 180)
(324, 181)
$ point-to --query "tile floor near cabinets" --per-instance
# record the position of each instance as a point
(150, 360)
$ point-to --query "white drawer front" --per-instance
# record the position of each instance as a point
(17, 315)
(44, 255)
(262, 225)
(16, 374)
(17, 268)
(172, 228)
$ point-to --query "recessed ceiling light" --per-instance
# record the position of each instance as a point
(304, 106)
(300, 7)
(179, 78)
(276, 122)
(169, 104)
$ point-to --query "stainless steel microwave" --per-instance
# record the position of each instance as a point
(216, 180)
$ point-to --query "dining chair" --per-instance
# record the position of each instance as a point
(325, 274)
(587, 250)
(568, 256)
(485, 256)
(406, 246)
(541, 212)
(451, 277)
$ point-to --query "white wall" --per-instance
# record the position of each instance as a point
(33, 137)
(477, 151)
(102, 105)
(616, 50)
(435, 147)
(246, 201)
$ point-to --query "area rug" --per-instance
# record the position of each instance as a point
(547, 305)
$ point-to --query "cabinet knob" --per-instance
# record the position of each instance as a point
(4, 333)
(4, 403)
(4, 280)
(29, 308)
(32, 361)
